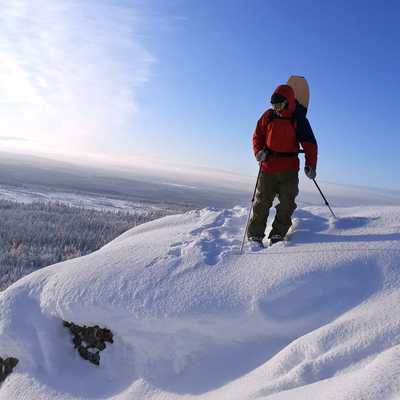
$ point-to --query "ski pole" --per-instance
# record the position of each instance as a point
(251, 209)
(326, 201)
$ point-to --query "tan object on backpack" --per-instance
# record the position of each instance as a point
(300, 88)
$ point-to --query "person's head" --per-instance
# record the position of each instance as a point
(278, 102)
(283, 100)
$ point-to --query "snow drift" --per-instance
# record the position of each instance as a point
(316, 317)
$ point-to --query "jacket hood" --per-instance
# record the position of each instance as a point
(287, 92)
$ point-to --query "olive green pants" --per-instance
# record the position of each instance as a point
(285, 185)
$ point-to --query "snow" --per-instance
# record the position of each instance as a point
(314, 317)
(95, 201)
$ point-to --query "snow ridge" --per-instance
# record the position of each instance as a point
(316, 316)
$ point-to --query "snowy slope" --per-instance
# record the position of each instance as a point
(317, 317)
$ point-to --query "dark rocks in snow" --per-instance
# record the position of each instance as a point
(89, 340)
(7, 366)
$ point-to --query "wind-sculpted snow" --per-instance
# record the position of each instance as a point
(315, 317)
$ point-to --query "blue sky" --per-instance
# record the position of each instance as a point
(185, 81)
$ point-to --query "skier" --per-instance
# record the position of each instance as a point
(276, 140)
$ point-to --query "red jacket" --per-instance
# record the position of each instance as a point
(283, 134)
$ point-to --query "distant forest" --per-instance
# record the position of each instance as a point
(36, 235)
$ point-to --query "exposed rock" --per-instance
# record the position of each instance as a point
(89, 340)
(6, 367)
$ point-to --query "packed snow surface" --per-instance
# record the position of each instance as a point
(315, 317)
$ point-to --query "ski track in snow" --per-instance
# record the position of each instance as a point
(313, 317)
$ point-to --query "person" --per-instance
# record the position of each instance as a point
(276, 143)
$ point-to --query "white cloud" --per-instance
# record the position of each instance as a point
(69, 71)
(11, 138)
